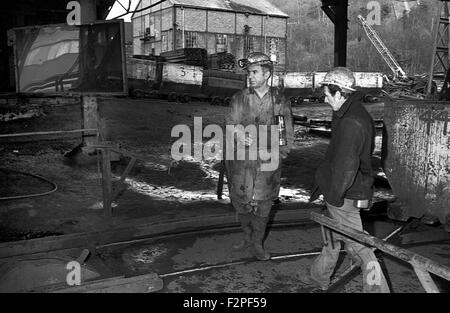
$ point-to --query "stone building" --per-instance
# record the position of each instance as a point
(237, 27)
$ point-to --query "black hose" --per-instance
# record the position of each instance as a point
(55, 187)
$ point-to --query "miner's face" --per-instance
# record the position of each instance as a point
(257, 76)
(335, 101)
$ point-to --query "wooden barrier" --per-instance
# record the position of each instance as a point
(422, 265)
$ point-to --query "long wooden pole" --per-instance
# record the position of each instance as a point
(56, 132)
(400, 253)
(106, 181)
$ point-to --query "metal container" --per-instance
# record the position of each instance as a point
(181, 79)
(416, 157)
(307, 84)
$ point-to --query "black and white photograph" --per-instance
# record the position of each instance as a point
(225, 155)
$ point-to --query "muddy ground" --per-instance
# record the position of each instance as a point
(156, 194)
(142, 127)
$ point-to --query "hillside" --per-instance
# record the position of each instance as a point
(311, 35)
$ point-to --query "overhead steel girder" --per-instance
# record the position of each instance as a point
(337, 12)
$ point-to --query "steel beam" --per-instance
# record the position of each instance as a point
(337, 12)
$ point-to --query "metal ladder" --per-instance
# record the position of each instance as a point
(382, 49)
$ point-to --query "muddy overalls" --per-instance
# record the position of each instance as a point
(252, 190)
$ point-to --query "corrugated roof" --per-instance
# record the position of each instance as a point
(250, 6)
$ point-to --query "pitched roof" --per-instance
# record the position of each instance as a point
(251, 6)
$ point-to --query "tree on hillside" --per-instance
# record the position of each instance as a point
(311, 36)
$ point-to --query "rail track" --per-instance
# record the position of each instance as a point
(140, 258)
(52, 254)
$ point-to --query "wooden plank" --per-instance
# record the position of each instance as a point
(426, 280)
(90, 117)
(136, 284)
(400, 253)
(125, 173)
(134, 230)
(343, 278)
(126, 153)
(56, 132)
(221, 178)
(106, 181)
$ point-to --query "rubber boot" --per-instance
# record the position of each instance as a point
(246, 242)
(259, 230)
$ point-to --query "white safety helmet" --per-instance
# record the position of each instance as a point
(341, 77)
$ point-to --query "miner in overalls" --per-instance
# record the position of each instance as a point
(252, 183)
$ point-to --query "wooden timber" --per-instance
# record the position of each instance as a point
(120, 284)
(416, 260)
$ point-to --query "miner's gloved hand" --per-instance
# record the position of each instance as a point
(245, 138)
(248, 140)
(283, 153)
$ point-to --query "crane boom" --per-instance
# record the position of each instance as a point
(382, 49)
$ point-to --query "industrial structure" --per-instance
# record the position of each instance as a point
(237, 27)
(415, 153)
(22, 13)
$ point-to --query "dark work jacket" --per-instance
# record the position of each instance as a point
(346, 171)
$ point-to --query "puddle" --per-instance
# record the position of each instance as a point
(147, 255)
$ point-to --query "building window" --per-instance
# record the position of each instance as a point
(221, 43)
(164, 42)
(274, 49)
(191, 40)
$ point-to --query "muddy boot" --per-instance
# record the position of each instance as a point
(246, 242)
(259, 229)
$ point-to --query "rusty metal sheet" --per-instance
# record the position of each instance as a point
(141, 69)
(182, 74)
(219, 82)
(416, 150)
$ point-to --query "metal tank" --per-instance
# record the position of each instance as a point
(416, 157)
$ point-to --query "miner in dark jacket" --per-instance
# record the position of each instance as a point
(345, 179)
